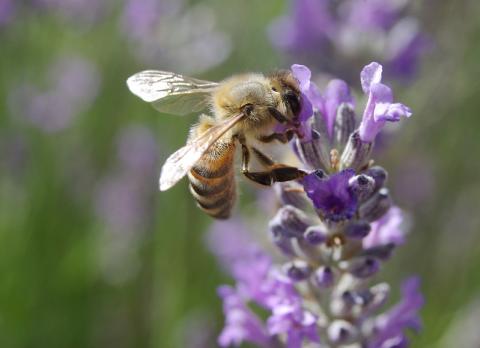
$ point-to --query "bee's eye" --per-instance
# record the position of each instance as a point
(247, 109)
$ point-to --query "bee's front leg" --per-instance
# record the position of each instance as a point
(281, 137)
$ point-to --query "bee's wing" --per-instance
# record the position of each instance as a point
(181, 161)
(171, 93)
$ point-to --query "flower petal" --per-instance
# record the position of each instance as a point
(336, 93)
(381, 93)
(391, 112)
(302, 74)
(372, 73)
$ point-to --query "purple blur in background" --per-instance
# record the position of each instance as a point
(336, 37)
(161, 31)
(70, 87)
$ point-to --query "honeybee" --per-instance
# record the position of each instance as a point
(246, 109)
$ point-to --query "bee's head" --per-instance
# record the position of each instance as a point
(286, 85)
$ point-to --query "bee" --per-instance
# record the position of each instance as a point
(246, 109)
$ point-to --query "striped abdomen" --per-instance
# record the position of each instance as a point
(212, 180)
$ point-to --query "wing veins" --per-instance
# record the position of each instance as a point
(180, 162)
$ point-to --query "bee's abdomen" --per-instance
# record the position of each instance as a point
(212, 180)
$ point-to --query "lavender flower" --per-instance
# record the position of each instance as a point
(335, 36)
(84, 13)
(332, 197)
(7, 10)
(72, 86)
(380, 107)
(148, 26)
(123, 202)
(323, 295)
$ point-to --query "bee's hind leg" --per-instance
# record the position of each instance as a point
(277, 173)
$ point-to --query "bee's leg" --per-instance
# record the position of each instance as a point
(277, 173)
(262, 158)
(262, 178)
(281, 137)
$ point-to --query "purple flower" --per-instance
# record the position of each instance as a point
(141, 16)
(392, 324)
(7, 10)
(323, 250)
(295, 322)
(336, 93)
(73, 84)
(372, 14)
(85, 12)
(406, 45)
(380, 107)
(335, 36)
(332, 196)
(309, 26)
(123, 197)
(229, 241)
(311, 98)
(308, 88)
(241, 324)
(147, 24)
(386, 230)
(137, 150)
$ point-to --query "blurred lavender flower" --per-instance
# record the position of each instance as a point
(229, 241)
(7, 10)
(338, 36)
(415, 181)
(14, 154)
(168, 34)
(323, 294)
(72, 84)
(84, 13)
(123, 201)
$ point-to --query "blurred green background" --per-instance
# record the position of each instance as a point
(92, 255)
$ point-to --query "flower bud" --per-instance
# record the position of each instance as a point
(293, 221)
(378, 296)
(291, 193)
(378, 174)
(281, 239)
(361, 267)
(324, 277)
(362, 186)
(315, 235)
(358, 229)
(313, 151)
(376, 206)
(297, 270)
(396, 342)
(342, 332)
(344, 124)
(356, 153)
(342, 305)
(382, 252)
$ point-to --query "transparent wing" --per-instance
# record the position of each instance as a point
(171, 93)
(181, 161)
